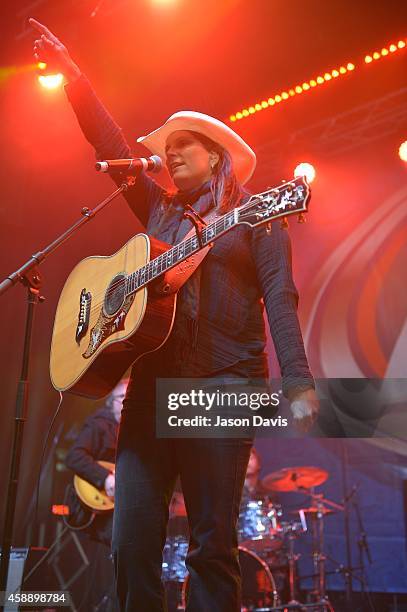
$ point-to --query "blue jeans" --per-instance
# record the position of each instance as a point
(212, 473)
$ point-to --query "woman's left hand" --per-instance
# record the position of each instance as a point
(305, 408)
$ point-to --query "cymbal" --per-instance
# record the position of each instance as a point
(313, 510)
(295, 478)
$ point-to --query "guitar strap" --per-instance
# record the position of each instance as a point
(174, 279)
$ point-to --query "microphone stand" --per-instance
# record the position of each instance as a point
(28, 274)
(348, 570)
(363, 548)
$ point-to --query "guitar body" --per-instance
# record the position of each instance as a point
(98, 331)
(91, 497)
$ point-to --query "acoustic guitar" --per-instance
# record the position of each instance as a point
(115, 309)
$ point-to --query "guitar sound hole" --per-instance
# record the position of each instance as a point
(115, 294)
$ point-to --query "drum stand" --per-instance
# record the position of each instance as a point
(292, 559)
(318, 556)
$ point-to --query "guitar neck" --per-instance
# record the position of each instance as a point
(178, 253)
(289, 198)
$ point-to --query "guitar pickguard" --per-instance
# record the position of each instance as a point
(106, 326)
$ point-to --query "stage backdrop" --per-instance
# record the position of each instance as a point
(350, 262)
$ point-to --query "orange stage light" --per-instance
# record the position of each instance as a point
(51, 81)
(307, 85)
(60, 510)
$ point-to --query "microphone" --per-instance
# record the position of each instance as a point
(132, 165)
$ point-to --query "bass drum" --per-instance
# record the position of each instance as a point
(258, 586)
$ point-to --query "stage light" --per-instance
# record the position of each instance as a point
(60, 510)
(305, 169)
(239, 115)
(51, 81)
(403, 151)
(306, 86)
(42, 65)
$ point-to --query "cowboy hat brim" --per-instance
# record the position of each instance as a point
(243, 157)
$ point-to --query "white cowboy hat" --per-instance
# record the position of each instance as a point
(243, 157)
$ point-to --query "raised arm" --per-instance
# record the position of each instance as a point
(97, 125)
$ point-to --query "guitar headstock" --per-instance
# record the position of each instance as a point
(289, 198)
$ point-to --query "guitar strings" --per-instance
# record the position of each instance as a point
(244, 211)
(97, 304)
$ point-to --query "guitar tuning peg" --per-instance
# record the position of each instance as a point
(301, 218)
(268, 228)
(284, 223)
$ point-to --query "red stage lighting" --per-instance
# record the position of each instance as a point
(305, 169)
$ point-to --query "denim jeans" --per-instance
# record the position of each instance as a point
(212, 473)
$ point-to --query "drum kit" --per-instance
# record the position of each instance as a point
(266, 545)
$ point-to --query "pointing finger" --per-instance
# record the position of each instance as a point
(41, 28)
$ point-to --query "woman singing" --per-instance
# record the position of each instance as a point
(218, 332)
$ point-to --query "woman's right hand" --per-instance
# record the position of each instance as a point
(49, 49)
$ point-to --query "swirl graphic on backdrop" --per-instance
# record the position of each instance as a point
(355, 309)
